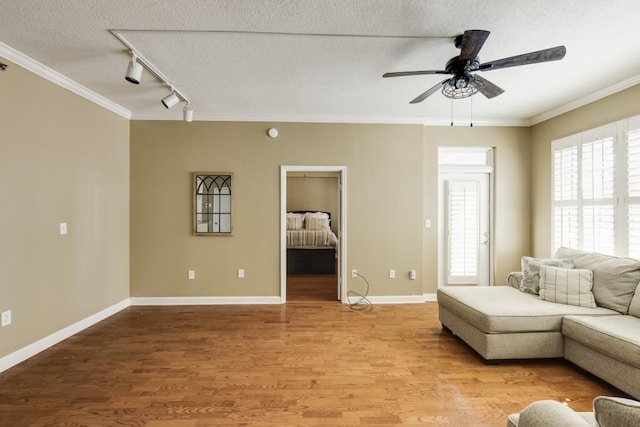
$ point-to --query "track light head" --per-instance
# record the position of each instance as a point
(134, 71)
(170, 100)
(187, 113)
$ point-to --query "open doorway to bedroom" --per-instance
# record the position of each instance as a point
(312, 233)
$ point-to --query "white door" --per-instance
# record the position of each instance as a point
(466, 235)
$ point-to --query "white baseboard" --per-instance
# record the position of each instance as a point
(31, 350)
(204, 300)
(396, 299)
(430, 297)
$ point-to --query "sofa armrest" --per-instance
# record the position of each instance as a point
(514, 278)
(550, 413)
(616, 411)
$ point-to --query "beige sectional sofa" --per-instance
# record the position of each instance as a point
(607, 412)
(602, 337)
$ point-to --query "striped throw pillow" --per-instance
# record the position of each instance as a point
(567, 286)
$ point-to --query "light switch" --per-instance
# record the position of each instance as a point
(63, 228)
(192, 274)
(241, 273)
(427, 223)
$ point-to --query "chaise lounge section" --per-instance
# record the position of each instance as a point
(602, 337)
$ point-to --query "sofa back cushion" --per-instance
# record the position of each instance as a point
(634, 307)
(614, 279)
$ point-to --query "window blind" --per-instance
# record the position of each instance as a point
(463, 203)
(596, 190)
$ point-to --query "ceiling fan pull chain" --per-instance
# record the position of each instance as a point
(451, 111)
(471, 98)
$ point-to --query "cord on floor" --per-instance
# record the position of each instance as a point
(362, 303)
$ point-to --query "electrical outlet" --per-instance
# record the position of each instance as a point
(392, 274)
(191, 274)
(354, 273)
(6, 318)
(241, 273)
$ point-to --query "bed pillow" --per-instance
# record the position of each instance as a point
(567, 286)
(294, 221)
(531, 271)
(316, 221)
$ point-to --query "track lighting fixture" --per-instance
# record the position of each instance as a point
(170, 100)
(134, 73)
(187, 113)
(134, 70)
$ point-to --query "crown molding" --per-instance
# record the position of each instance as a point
(581, 102)
(274, 118)
(47, 73)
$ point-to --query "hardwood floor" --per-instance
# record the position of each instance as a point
(312, 287)
(298, 364)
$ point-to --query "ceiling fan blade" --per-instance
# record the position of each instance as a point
(430, 92)
(545, 55)
(413, 73)
(487, 88)
(472, 42)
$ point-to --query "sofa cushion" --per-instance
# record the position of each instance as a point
(616, 412)
(551, 413)
(567, 286)
(503, 309)
(634, 307)
(531, 271)
(614, 279)
(615, 336)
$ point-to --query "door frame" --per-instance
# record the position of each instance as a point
(342, 232)
(444, 171)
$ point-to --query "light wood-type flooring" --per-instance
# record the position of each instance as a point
(304, 363)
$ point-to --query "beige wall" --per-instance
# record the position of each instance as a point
(607, 110)
(511, 206)
(384, 185)
(391, 188)
(62, 159)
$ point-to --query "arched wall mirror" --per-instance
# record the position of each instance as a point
(212, 203)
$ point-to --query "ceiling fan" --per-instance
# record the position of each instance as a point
(463, 83)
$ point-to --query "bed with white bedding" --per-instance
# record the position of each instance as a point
(311, 244)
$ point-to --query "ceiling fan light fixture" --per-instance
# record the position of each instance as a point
(170, 100)
(134, 71)
(454, 90)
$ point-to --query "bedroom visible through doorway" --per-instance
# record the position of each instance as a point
(312, 227)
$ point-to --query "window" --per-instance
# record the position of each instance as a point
(596, 190)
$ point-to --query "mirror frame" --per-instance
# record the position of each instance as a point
(194, 214)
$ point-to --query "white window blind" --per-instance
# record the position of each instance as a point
(463, 204)
(633, 214)
(596, 190)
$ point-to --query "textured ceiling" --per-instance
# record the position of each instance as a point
(311, 60)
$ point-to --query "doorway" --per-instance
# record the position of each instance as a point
(464, 226)
(329, 184)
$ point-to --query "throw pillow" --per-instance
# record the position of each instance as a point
(567, 286)
(316, 221)
(294, 221)
(531, 271)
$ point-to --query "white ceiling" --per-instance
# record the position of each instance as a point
(313, 60)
